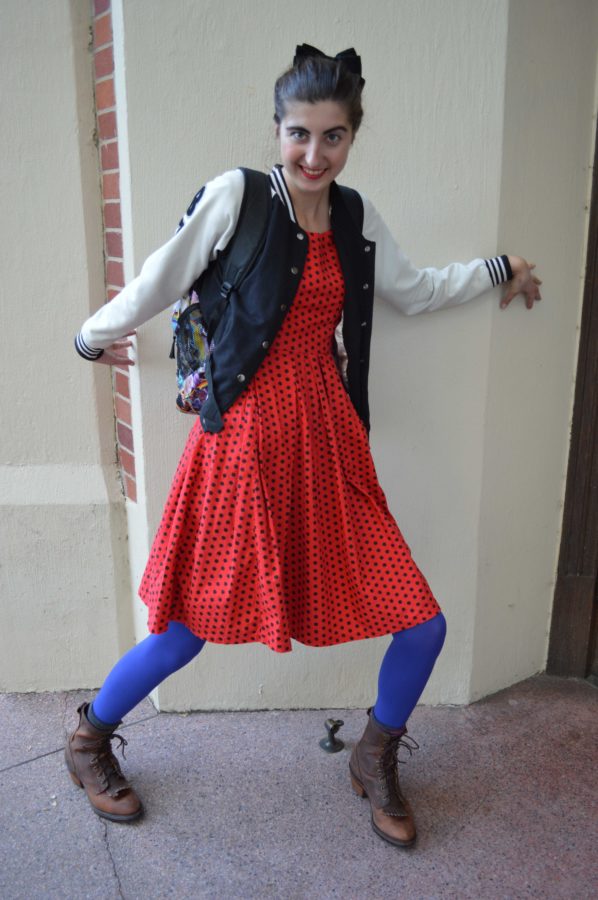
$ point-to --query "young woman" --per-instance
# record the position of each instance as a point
(275, 526)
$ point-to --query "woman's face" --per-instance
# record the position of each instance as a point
(315, 139)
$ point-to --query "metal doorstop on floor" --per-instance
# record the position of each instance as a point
(331, 744)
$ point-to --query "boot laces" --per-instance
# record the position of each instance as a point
(389, 762)
(103, 759)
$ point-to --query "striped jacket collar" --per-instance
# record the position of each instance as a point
(279, 187)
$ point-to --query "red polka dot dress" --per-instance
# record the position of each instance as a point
(276, 527)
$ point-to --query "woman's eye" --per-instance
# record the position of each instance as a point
(334, 138)
(297, 135)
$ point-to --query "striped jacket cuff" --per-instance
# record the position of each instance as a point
(499, 269)
(84, 350)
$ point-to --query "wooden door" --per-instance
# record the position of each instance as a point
(573, 648)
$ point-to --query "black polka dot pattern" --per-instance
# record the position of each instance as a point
(276, 527)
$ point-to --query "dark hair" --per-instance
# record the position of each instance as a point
(313, 79)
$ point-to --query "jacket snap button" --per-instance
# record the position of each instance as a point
(265, 344)
(366, 286)
(283, 306)
(240, 377)
(294, 270)
(363, 324)
(300, 236)
(367, 248)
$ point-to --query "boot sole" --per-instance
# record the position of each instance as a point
(361, 792)
(99, 812)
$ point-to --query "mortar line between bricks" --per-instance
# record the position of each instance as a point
(32, 759)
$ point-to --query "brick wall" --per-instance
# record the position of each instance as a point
(103, 58)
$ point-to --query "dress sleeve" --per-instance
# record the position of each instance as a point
(205, 229)
(413, 290)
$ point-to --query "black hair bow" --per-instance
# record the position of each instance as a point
(348, 58)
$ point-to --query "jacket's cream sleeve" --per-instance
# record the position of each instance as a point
(413, 290)
(169, 272)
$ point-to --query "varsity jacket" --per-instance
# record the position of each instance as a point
(372, 265)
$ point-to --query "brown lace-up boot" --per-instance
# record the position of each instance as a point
(373, 766)
(93, 766)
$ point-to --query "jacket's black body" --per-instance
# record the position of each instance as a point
(254, 312)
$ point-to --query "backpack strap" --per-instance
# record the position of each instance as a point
(238, 258)
(248, 239)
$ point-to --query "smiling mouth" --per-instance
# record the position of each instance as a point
(313, 174)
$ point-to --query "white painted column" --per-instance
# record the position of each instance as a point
(64, 615)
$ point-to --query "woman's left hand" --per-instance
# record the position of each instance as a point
(523, 282)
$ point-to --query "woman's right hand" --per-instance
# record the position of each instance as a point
(117, 354)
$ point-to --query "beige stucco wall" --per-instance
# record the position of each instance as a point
(546, 168)
(477, 139)
(65, 605)
(459, 106)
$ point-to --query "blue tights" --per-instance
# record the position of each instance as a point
(405, 669)
(142, 669)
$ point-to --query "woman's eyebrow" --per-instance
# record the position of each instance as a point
(306, 130)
